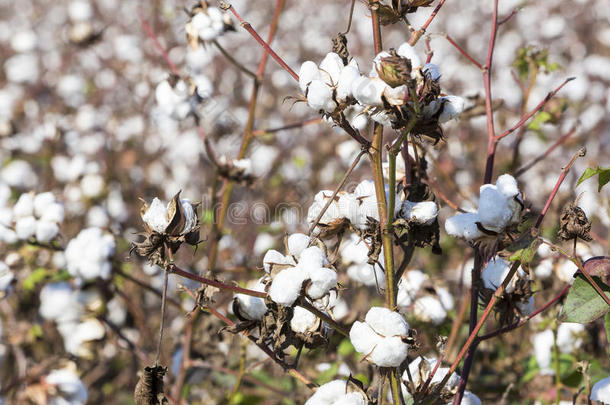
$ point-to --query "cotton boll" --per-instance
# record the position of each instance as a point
(543, 343)
(496, 271)
(46, 231)
(469, 399)
(568, 338)
(432, 70)
(408, 287)
(452, 108)
(297, 242)
(7, 235)
(407, 51)
(390, 352)
(429, 309)
(312, 258)
(263, 242)
(250, 307)
(566, 270)
(69, 387)
(544, 269)
(351, 398)
(319, 96)
(58, 302)
(24, 207)
(25, 227)
(601, 391)
(87, 255)
(363, 337)
(6, 277)
(445, 298)
(526, 308)
(424, 212)
(507, 186)
(41, 202)
(344, 86)
(53, 213)
(286, 286)
(273, 257)
(386, 322)
(367, 274)
(302, 320)
(328, 393)
(156, 216)
(309, 72)
(368, 91)
(349, 207)
(494, 212)
(333, 65)
(92, 185)
(322, 280)
(464, 225)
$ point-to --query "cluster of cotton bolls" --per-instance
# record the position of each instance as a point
(500, 205)
(88, 255)
(419, 372)
(568, 339)
(71, 310)
(207, 24)
(380, 338)
(303, 263)
(354, 255)
(68, 387)
(427, 305)
(33, 216)
(335, 84)
(177, 98)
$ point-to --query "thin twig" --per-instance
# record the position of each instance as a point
(416, 35)
(231, 59)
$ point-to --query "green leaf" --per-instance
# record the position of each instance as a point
(538, 120)
(34, 278)
(584, 304)
(524, 250)
(603, 174)
(607, 326)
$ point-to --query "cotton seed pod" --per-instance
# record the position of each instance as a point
(149, 389)
(574, 223)
(395, 70)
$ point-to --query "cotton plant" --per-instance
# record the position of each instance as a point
(89, 254)
(338, 392)
(206, 24)
(381, 337)
(430, 304)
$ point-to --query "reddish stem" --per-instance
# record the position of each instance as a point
(416, 35)
(158, 45)
(463, 52)
(562, 139)
(172, 268)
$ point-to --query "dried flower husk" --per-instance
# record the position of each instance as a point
(574, 223)
(149, 389)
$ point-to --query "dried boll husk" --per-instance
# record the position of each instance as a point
(394, 70)
(574, 223)
(149, 389)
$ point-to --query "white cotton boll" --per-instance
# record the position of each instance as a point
(322, 280)
(390, 352)
(96, 216)
(297, 242)
(53, 213)
(319, 96)
(80, 10)
(383, 117)
(19, 174)
(273, 257)
(526, 308)
(24, 207)
(22, 68)
(463, 225)
(309, 72)
(395, 95)
(286, 286)
(7, 235)
(25, 227)
(601, 391)
(366, 188)
(156, 216)
(250, 307)
(368, 209)
(344, 86)
(366, 274)
(377, 63)
(469, 399)
(58, 302)
(92, 185)
(349, 207)
(507, 186)
(41, 202)
(357, 118)
(263, 242)
(494, 212)
(496, 271)
(408, 287)
(407, 51)
(432, 70)
(351, 398)
(24, 41)
(429, 309)
(363, 337)
(75, 335)
(328, 393)
(117, 314)
(368, 91)
(452, 108)
(302, 320)
(312, 258)
(386, 322)
(333, 65)
(445, 297)
(46, 231)
(566, 270)
(424, 212)
(543, 344)
(69, 386)
(544, 269)
(6, 216)
(569, 336)
(87, 255)
(6, 277)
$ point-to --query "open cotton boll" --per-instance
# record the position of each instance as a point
(87, 255)
(569, 336)
(407, 51)
(24, 207)
(496, 271)
(286, 286)
(46, 231)
(41, 202)
(333, 65)
(408, 287)
(440, 374)
(309, 72)
(432, 70)
(250, 307)
(367, 274)
(156, 216)
(320, 96)
(189, 215)
(312, 258)
(390, 352)
(297, 242)
(469, 399)
(494, 212)
(386, 322)
(463, 225)
(351, 398)
(335, 393)
(363, 337)
(424, 212)
(322, 280)
(302, 320)
(543, 344)
(344, 86)
(445, 298)
(332, 213)
(601, 391)
(25, 227)
(429, 309)
(395, 95)
(349, 207)
(58, 302)
(507, 186)
(565, 271)
(526, 308)
(452, 108)
(273, 257)
(368, 91)
(68, 386)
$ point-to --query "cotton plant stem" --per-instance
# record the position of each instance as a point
(214, 283)
(231, 59)
(326, 318)
(416, 35)
(240, 374)
(268, 131)
(545, 154)
(158, 45)
(162, 326)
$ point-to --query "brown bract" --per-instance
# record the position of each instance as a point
(574, 223)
